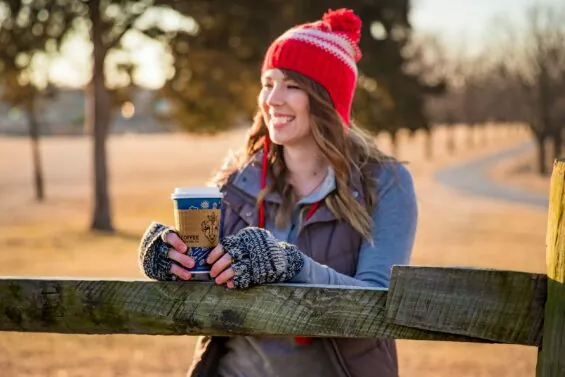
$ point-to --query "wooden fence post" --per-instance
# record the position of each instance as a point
(551, 356)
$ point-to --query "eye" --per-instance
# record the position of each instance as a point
(267, 85)
(293, 86)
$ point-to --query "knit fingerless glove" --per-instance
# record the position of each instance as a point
(153, 250)
(259, 258)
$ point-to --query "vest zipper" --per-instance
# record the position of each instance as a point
(339, 359)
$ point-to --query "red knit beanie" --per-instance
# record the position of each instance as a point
(325, 51)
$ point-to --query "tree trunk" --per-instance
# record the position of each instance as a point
(484, 134)
(557, 144)
(543, 117)
(450, 139)
(542, 167)
(471, 135)
(33, 125)
(394, 141)
(98, 122)
(429, 144)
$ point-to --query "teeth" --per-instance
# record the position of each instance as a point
(282, 119)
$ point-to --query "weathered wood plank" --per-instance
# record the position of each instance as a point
(505, 306)
(198, 308)
(551, 358)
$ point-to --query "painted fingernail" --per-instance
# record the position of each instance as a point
(191, 263)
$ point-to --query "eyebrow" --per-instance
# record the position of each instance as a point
(286, 78)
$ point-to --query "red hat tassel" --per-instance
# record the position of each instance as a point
(265, 163)
(264, 168)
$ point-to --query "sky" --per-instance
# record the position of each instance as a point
(458, 16)
(468, 20)
(454, 21)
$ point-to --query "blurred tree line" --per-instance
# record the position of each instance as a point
(216, 63)
(518, 77)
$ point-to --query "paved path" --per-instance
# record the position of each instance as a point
(469, 177)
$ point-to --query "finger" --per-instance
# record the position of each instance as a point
(225, 276)
(230, 284)
(222, 263)
(183, 259)
(180, 272)
(215, 254)
(175, 241)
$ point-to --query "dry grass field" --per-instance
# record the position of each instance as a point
(50, 239)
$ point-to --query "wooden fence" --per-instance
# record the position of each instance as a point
(426, 303)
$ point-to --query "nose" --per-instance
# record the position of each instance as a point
(275, 96)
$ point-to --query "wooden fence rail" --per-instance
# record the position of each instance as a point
(423, 303)
(465, 306)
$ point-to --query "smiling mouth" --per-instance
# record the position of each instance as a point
(279, 120)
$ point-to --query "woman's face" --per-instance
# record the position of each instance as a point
(285, 109)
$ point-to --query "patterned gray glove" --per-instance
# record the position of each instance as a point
(153, 250)
(259, 258)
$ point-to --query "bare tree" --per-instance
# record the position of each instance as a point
(539, 67)
(107, 21)
(429, 61)
(27, 30)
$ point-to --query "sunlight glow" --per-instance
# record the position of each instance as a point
(3, 11)
(128, 110)
(72, 68)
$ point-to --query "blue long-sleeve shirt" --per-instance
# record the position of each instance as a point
(393, 232)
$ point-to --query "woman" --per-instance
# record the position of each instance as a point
(310, 200)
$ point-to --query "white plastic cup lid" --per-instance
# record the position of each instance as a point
(196, 192)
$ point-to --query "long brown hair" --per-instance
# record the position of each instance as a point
(347, 152)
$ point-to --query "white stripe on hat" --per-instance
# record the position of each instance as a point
(325, 41)
(334, 38)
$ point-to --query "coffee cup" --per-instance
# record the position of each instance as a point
(198, 221)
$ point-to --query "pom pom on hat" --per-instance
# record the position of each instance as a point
(344, 21)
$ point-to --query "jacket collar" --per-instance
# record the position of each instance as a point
(248, 177)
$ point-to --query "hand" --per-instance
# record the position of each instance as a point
(162, 254)
(254, 256)
(177, 253)
(221, 270)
